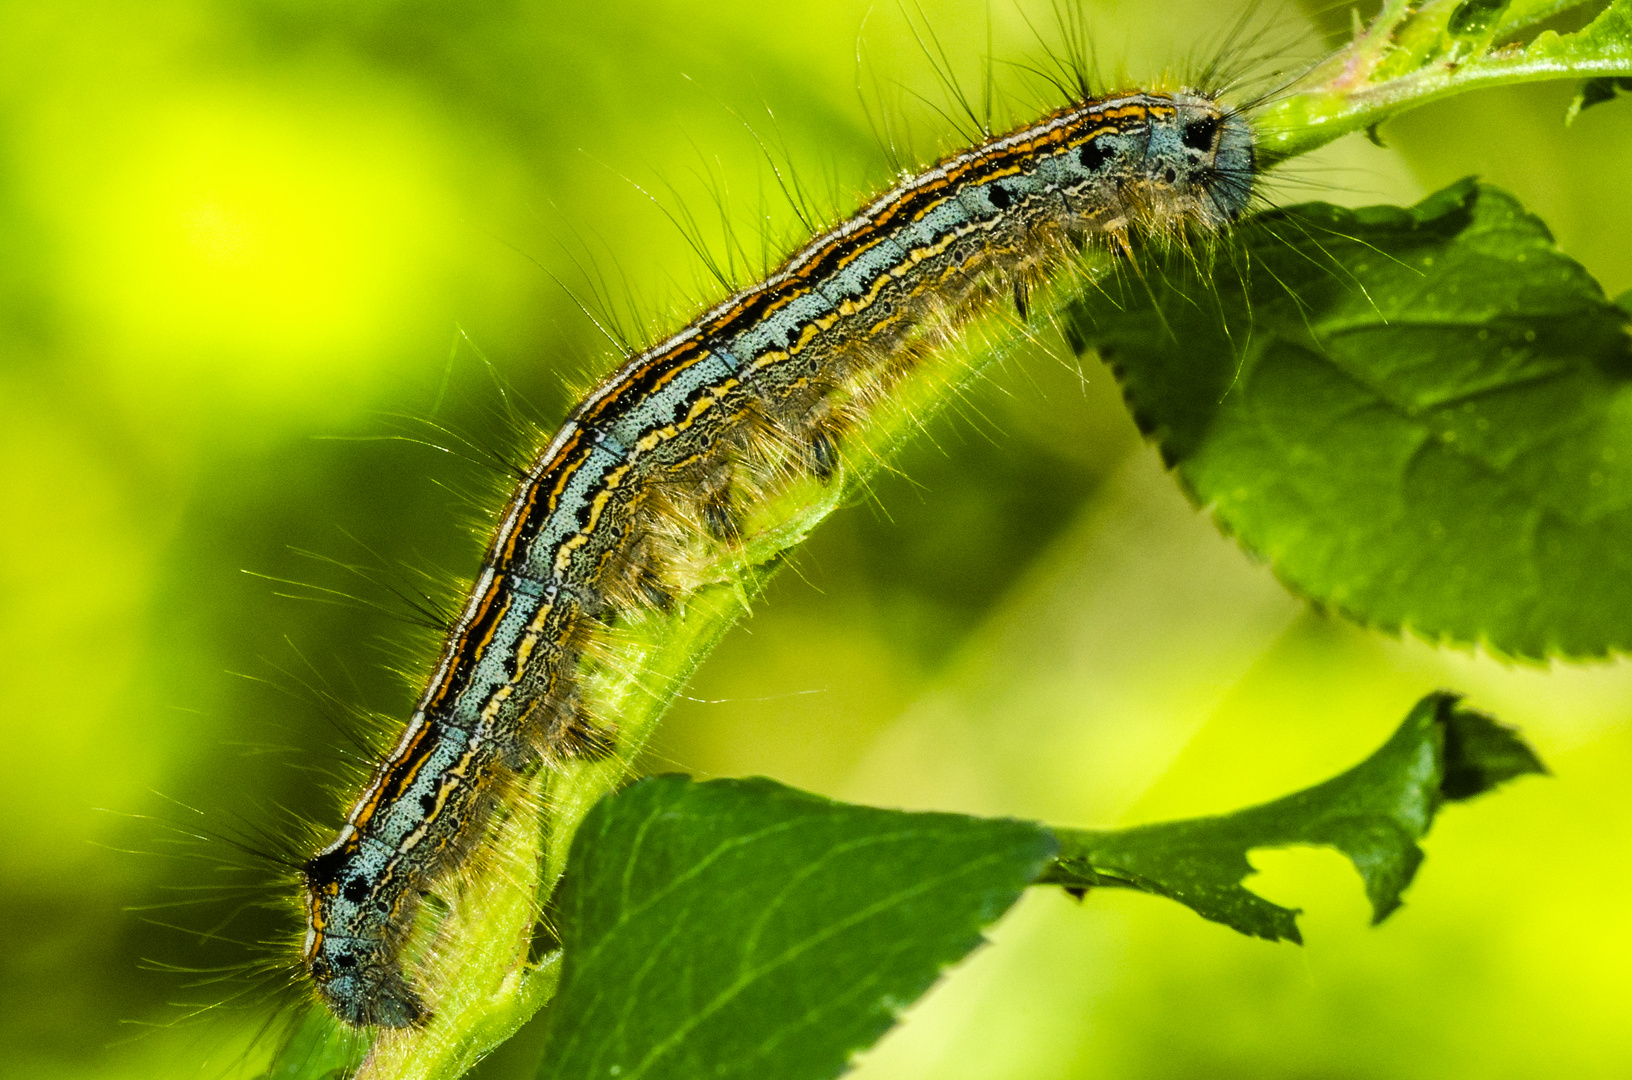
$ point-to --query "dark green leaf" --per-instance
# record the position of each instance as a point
(1422, 418)
(739, 928)
(1374, 814)
(1595, 92)
(1479, 753)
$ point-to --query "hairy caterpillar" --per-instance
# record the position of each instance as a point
(653, 458)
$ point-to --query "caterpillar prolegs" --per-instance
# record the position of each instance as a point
(779, 370)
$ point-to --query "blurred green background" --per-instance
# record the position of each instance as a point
(254, 250)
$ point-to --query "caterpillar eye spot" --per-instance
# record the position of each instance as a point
(1201, 135)
(321, 869)
(1000, 197)
(1095, 154)
(356, 890)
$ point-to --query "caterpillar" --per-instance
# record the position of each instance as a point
(652, 458)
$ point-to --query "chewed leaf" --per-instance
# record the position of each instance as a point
(741, 928)
(1412, 53)
(1421, 418)
(1374, 814)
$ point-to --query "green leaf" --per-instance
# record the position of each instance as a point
(1596, 92)
(1421, 418)
(1478, 753)
(741, 928)
(1374, 814)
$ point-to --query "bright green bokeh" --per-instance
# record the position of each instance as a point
(240, 236)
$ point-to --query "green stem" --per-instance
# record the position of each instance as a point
(1407, 58)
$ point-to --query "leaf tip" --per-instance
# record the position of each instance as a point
(1480, 753)
(1383, 907)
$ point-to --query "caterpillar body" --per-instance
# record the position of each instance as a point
(780, 368)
